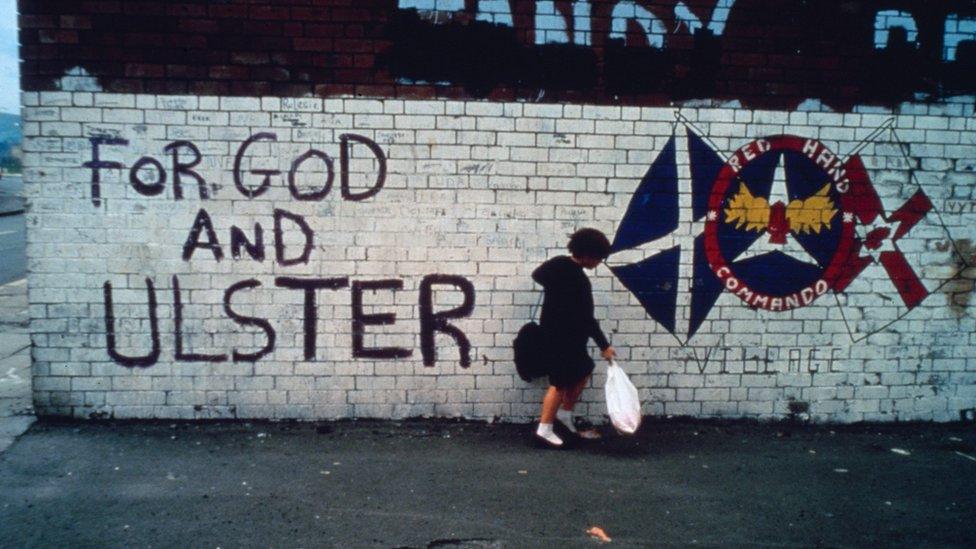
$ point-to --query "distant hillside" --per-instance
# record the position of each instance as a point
(9, 128)
(10, 138)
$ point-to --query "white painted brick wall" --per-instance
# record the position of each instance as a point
(485, 191)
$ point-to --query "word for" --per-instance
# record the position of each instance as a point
(185, 156)
(431, 322)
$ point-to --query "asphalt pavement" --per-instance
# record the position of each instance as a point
(13, 248)
(11, 194)
(447, 484)
(16, 408)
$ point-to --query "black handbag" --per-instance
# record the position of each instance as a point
(529, 347)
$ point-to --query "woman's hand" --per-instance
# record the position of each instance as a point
(608, 354)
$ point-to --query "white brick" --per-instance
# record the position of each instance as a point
(240, 104)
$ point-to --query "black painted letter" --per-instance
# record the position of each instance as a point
(132, 361)
(185, 169)
(344, 140)
(431, 322)
(193, 240)
(178, 321)
(310, 285)
(360, 320)
(317, 195)
(238, 241)
(143, 188)
(238, 180)
(96, 164)
(279, 215)
(269, 332)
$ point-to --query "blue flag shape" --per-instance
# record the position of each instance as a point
(655, 213)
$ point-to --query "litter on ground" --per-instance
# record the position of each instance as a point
(597, 533)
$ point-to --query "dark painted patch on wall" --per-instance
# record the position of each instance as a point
(843, 52)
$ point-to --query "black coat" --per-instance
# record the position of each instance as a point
(567, 320)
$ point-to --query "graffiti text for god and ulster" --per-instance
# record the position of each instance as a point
(149, 176)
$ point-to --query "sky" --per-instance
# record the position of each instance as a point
(9, 69)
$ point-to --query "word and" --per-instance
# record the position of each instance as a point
(240, 244)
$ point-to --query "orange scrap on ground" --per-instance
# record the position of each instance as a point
(599, 534)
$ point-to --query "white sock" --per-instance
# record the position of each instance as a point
(566, 418)
(545, 431)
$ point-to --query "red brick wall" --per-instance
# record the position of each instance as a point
(770, 54)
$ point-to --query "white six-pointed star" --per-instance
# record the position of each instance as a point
(764, 244)
(877, 237)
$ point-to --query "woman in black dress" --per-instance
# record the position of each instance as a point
(568, 324)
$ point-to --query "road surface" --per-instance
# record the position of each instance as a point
(13, 235)
(442, 484)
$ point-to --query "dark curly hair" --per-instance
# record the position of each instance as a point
(589, 243)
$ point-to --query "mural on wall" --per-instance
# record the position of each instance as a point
(778, 223)
(149, 177)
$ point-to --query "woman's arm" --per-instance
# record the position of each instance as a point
(598, 336)
(541, 274)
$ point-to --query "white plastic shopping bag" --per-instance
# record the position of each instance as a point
(622, 402)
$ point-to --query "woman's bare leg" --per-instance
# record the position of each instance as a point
(550, 404)
(571, 395)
